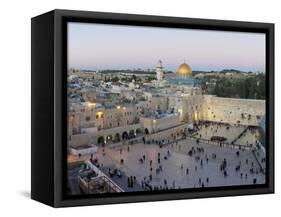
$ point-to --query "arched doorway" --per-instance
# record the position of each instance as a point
(125, 135)
(117, 137)
(109, 138)
(138, 131)
(100, 140)
(146, 131)
(132, 134)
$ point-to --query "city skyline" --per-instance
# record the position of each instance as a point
(103, 46)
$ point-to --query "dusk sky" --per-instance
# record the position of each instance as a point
(100, 46)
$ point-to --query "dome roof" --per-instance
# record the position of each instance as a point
(184, 70)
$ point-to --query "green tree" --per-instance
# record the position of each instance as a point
(115, 79)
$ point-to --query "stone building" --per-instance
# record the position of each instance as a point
(155, 112)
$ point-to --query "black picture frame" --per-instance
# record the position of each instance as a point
(49, 142)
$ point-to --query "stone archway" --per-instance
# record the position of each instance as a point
(100, 140)
(146, 131)
(109, 138)
(117, 137)
(125, 135)
(132, 134)
(138, 131)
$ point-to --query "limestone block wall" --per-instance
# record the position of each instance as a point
(230, 110)
(155, 125)
(192, 104)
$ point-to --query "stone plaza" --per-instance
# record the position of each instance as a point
(179, 169)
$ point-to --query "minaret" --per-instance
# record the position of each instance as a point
(159, 71)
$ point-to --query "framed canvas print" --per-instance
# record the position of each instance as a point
(134, 108)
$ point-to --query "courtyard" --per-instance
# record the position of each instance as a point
(180, 164)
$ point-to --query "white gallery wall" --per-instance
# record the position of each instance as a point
(15, 106)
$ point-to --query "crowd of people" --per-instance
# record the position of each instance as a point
(152, 179)
(201, 158)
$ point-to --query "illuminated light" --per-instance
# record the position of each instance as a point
(195, 115)
(180, 111)
(99, 114)
(154, 121)
(118, 107)
(91, 104)
(124, 107)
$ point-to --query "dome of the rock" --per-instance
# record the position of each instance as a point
(184, 70)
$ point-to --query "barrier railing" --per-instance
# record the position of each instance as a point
(90, 187)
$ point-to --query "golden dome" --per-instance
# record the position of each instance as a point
(184, 70)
